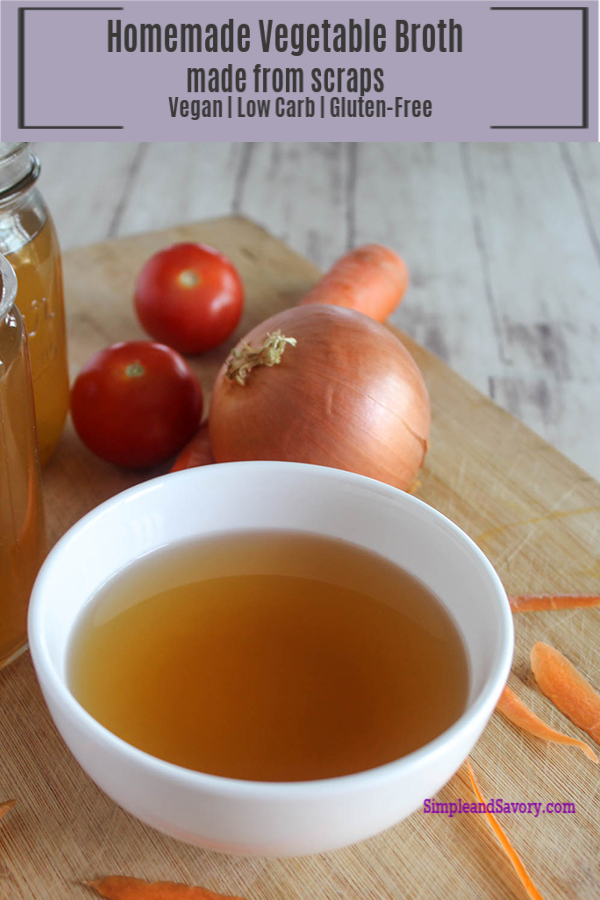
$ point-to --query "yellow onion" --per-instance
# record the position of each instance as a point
(323, 385)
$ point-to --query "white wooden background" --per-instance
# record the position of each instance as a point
(502, 242)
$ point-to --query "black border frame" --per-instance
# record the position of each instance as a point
(21, 69)
(585, 65)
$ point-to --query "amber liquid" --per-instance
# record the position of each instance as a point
(40, 300)
(270, 657)
(22, 527)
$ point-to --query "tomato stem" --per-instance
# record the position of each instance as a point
(189, 278)
(135, 370)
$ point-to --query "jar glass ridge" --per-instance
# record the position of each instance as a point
(22, 523)
(28, 241)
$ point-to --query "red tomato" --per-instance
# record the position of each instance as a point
(189, 296)
(136, 404)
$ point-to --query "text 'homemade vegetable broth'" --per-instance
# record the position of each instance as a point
(269, 656)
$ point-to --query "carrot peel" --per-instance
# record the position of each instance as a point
(371, 279)
(544, 602)
(505, 843)
(559, 680)
(6, 806)
(520, 715)
(121, 887)
(195, 453)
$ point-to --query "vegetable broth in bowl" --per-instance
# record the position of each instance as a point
(280, 505)
(269, 656)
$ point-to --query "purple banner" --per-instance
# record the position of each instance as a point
(259, 70)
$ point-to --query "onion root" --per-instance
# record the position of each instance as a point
(242, 361)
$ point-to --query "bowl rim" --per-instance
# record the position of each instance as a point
(481, 706)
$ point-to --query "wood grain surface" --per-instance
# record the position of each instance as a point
(534, 513)
(502, 241)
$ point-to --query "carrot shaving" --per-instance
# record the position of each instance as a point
(6, 806)
(543, 602)
(417, 483)
(559, 680)
(520, 715)
(120, 887)
(506, 845)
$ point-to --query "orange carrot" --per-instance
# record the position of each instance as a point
(505, 843)
(4, 807)
(559, 680)
(543, 602)
(371, 279)
(195, 453)
(516, 712)
(120, 887)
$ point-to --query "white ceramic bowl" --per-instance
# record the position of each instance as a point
(257, 818)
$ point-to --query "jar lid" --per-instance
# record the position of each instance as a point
(16, 162)
(8, 286)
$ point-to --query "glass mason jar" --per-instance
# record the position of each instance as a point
(28, 240)
(22, 525)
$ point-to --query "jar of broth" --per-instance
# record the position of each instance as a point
(22, 526)
(28, 240)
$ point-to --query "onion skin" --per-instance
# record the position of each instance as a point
(349, 396)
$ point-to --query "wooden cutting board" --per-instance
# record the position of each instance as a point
(535, 514)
